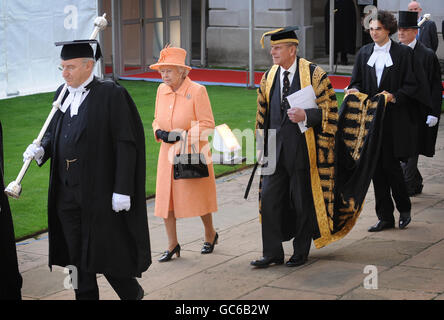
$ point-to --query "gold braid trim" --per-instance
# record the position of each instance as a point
(322, 178)
(318, 197)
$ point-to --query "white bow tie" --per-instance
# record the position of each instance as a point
(74, 99)
(380, 53)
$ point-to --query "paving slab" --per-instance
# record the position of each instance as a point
(416, 231)
(272, 293)
(325, 277)
(387, 294)
(433, 214)
(371, 251)
(235, 241)
(431, 258)
(190, 263)
(227, 281)
(413, 278)
(29, 261)
(40, 282)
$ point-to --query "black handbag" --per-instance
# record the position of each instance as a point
(189, 165)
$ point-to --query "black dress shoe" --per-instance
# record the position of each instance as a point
(266, 261)
(166, 256)
(381, 225)
(404, 220)
(209, 247)
(140, 294)
(296, 260)
(416, 191)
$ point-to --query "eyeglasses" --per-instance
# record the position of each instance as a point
(67, 68)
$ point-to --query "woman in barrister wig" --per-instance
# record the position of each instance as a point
(182, 110)
(385, 66)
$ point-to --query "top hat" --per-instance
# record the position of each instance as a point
(171, 56)
(281, 35)
(79, 49)
(408, 19)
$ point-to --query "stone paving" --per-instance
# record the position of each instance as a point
(409, 263)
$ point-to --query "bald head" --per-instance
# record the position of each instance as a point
(415, 6)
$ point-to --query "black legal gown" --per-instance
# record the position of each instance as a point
(429, 98)
(400, 123)
(10, 278)
(115, 244)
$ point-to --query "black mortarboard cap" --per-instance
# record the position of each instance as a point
(79, 49)
(408, 19)
(281, 35)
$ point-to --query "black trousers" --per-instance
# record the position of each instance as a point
(286, 188)
(388, 182)
(412, 176)
(69, 213)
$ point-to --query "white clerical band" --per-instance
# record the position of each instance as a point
(76, 97)
(380, 54)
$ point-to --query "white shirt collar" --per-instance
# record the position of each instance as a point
(413, 44)
(385, 47)
(292, 68)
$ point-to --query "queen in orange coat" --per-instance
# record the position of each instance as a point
(182, 106)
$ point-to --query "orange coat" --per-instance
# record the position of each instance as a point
(176, 111)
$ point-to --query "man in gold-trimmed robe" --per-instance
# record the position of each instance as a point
(287, 203)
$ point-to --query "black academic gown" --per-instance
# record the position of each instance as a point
(400, 123)
(345, 26)
(10, 278)
(429, 98)
(115, 244)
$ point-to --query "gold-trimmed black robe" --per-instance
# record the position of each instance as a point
(340, 150)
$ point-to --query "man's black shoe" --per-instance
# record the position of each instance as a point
(404, 220)
(381, 225)
(266, 261)
(296, 260)
(416, 191)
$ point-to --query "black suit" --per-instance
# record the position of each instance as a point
(429, 99)
(287, 190)
(428, 35)
(399, 127)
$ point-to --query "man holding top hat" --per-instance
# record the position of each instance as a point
(97, 217)
(428, 99)
(286, 199)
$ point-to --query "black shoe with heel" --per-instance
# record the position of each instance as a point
(209, 247)
(167, 255)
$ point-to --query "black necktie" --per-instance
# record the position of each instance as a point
(285, 91)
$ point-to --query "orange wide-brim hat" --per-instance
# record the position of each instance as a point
(171, 56)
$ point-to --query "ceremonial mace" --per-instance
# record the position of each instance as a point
(424, 19)
(14, 188)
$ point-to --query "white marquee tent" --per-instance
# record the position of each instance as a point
(28, 29)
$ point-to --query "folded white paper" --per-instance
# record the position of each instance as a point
(304, 99)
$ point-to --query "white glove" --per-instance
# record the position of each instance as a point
(431, 121)
(33, 151)
(121, 202)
